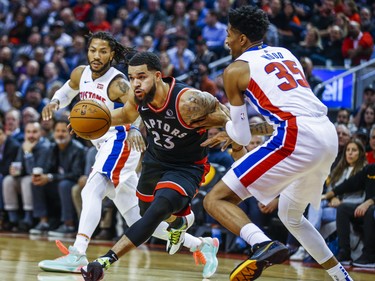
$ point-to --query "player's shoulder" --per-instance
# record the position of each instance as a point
(77, 73)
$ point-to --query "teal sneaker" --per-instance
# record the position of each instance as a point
(72, 262)
(206, 254)
(176, 237)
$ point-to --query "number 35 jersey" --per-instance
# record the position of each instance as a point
(169, 138)
(278, 88)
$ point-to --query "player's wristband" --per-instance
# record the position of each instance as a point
(134, 127)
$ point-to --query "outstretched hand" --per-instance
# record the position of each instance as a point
(221, 137)
(94, 271)
(217, 118)
(49, 110)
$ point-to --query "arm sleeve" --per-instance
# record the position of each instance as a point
(238, 128)
(65, 95)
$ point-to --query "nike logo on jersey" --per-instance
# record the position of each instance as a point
(144, 108)
(86, 82)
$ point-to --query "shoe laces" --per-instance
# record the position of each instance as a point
(175, 234)
(62, 247)
(199, 257)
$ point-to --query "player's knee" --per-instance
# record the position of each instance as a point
(209, 203)
(289, 217)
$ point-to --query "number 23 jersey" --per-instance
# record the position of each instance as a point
(278, 88)
(169, 138)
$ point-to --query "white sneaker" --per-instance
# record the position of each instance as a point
(72, 262)
(176, 237)
(206, 254)
(299, 255)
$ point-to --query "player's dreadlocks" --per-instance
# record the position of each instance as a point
(121, 52)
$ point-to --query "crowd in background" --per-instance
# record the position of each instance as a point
(42, 41)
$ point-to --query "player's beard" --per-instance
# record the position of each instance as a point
(148, 98)
(103, 69)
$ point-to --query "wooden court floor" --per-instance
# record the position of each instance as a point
(20, 254)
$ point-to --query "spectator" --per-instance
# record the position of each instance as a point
(72, 25)
(10, 98)
(58, 58)
(181, 57)
(33, 98)
(51, 75)
(343, 117)
(351, 10)
(343, 134)
(202, 11)
(64, 166)
(324, 16)
(179, 14)
(59, 36)
(29, 114)
(151, 16)
(359, 214)
(27, 79)
(332, 46)
(199, 78)
(82, 9)
(368, 98)
(367, 23)
(214, 33)
(8, 153)
(370, 155)
(34, 40)
(368, 117)
(13, 125)
(203, 54)
(357, 46)
(311, 47)
(166, 65)
(194, 31)
(32, 153)
(134, 13)
(76, 54)
(20, 29)
(99, 20)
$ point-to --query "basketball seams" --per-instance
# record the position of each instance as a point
(93, 108)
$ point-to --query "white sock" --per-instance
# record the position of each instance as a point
(192, 242)
(338, 273)
(252, 234)
(81, 243)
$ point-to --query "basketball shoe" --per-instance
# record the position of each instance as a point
(72, 262)
(176, 236)
(206, 254)
(264, 255)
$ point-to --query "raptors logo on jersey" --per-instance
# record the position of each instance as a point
(169, 138)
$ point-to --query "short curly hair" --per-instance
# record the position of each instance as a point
(249, 20)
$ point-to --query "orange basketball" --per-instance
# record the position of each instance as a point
(90, 119)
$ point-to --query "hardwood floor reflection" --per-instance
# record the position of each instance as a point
(20, 254)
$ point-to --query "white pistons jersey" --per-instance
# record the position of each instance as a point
(278, 88)
(296, 160)
(115, 158)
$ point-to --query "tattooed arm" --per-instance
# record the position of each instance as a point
(195, 105)
(118, 90)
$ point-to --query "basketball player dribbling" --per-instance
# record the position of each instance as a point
(113, 174)
(294, 163)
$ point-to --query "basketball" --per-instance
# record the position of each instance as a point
(90, 119)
